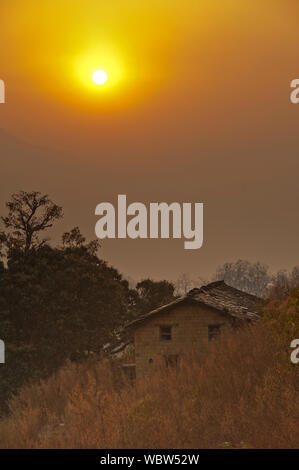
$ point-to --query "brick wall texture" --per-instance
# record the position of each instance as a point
(189, 327)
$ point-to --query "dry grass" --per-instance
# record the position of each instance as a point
(245, 394)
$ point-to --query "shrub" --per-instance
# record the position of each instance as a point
(243, 395)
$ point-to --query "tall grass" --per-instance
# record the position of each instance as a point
(243, 394)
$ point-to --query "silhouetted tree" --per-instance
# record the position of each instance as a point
(56, 303)
(74, 239)
(153, 294)
(29, 214)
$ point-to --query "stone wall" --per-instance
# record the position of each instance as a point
(189, 327)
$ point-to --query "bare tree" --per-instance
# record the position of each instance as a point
(29, 214)
(283, 282)
(184, 284)
(250, 277)
(295, 277)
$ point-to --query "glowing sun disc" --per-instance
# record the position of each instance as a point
(100, 77)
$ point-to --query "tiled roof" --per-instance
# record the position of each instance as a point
(217, 295)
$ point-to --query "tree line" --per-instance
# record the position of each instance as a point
(62, 301)
(58, 302)
(252, 277)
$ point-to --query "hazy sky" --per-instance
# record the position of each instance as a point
(197, 109)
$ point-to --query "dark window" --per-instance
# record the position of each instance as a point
(214, 331)
(165, 333)
(171, 360)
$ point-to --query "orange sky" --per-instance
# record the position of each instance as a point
(198, 110)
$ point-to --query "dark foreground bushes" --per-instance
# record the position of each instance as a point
(245, 394)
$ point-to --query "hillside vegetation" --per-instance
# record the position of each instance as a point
(245, 394)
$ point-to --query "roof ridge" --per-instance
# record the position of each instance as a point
(211, 285)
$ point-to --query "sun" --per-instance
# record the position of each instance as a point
(101, 72)
(99, 77)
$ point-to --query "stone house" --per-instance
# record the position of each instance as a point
(189, 323)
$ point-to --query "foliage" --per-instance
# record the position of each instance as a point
(58, 303)
(244, 394)
(283, 318)
(153, 294)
